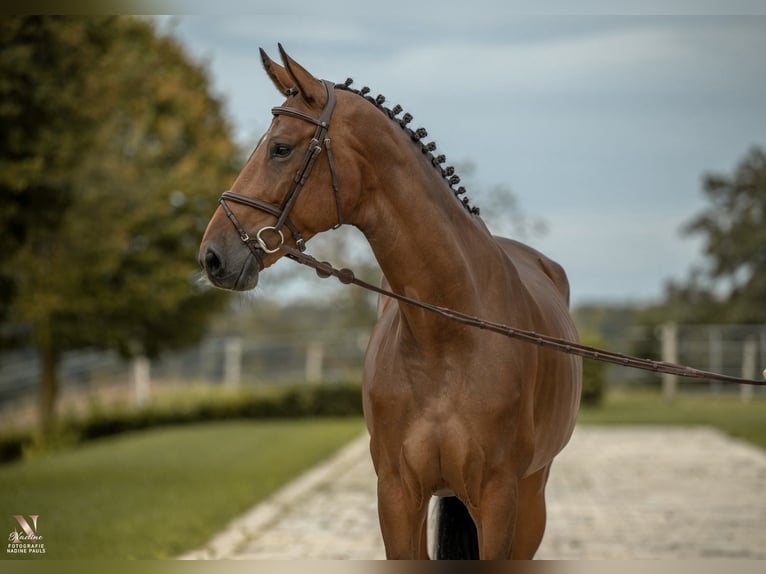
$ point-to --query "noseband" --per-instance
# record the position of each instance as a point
(282, 211)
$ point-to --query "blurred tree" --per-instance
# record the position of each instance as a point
(502, 212)
(732, 286)
(112, 172)
(44, 125)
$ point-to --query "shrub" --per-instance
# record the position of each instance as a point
(294, 401)
(12, 446)
(593, 374)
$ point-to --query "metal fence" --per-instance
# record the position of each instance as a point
(736, 350)
(92, 377)
(105, 377)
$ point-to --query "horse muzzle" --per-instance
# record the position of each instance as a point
(237, 271)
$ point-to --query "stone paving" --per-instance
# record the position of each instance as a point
(614, 493)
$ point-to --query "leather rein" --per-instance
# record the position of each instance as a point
(346, 276)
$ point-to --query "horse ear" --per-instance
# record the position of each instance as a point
(308, 86)
(277, 73)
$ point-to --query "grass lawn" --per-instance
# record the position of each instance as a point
(725, 412)
(157, 493)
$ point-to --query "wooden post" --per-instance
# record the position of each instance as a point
(715, 352)
(49, 387)
(749, 354)
(669, 334)
(762, 352)
(232, 361)
(314, 360)
(140, 372)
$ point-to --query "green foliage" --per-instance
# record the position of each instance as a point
(593, 373)
(593, 382)
(159, 493)
(732, 286)
(607, 321)
(45, 126)
(725, 412)
(117, 269)
(282, 402)
(113, 153)
(12, 446)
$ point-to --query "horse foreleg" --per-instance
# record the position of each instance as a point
(532, 515)
(496, 517)
(402, 521)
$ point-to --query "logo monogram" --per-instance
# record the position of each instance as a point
(29, 532)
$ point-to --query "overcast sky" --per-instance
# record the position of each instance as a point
(602, 125)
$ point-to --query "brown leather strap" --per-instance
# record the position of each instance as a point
(313, 151)
(262, 205)
(346, 276)
(335, 185)
(283, 111)
(282, 211)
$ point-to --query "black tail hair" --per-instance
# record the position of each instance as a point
(456, 536)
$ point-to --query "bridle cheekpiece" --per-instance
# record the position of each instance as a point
(282, 211)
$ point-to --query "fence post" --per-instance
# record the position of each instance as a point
(232, 361)
(140, 373)
(749, 354)
(669, 334)
(762, 345)
(314, 360)
(715, 354)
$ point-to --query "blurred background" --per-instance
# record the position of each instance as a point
(628, 148)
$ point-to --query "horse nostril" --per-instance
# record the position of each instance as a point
(212, 262)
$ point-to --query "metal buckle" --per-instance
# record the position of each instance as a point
(265, 246)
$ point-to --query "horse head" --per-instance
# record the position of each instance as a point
(273, 201)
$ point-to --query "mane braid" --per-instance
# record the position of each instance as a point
(448, 173)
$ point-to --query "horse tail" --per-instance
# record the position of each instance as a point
(456, 536)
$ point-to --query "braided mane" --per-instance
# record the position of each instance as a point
(448, 173)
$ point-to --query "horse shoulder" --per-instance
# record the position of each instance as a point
(530, 259)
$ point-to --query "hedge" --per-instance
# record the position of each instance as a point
(298, 401)
(295, 401)
(593, 374)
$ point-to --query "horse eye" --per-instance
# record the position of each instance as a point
(280, 150)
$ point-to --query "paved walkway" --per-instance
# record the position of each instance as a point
(614, 493)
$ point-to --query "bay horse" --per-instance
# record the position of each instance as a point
(468, 416)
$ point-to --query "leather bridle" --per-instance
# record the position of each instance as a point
(282, 211)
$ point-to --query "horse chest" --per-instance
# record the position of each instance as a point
(435, 425)
(462, 375)
(434, 445)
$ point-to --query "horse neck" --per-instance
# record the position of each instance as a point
(427, 244)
